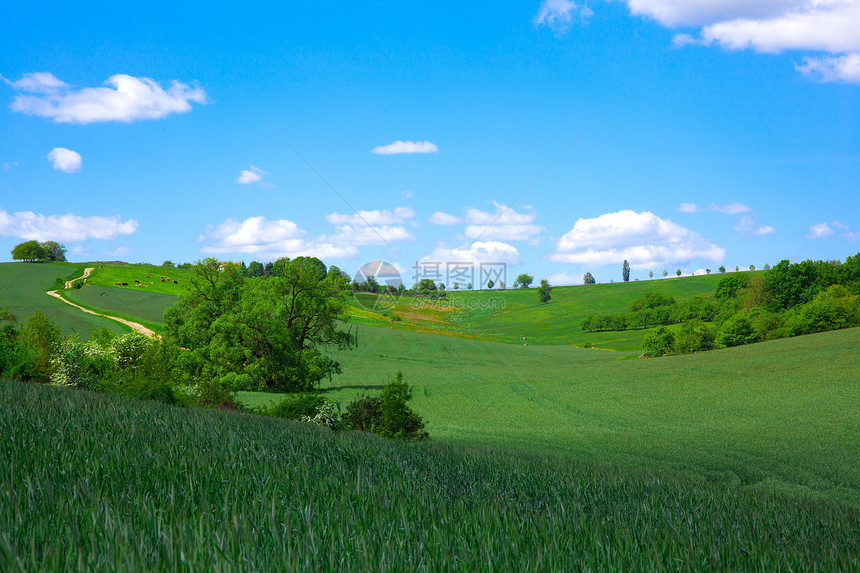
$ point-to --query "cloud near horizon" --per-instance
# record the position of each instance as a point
(66, 228)
(505, 224)
(124, 99)
(399, 147)
(65, 160)
(643, 239)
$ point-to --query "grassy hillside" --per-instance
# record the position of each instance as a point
(99, 482)
(107, 275)
(780, 414)
(510, 315)
(146, 306)
(22, 291)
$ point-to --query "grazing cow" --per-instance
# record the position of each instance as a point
(136, 281)
(175, 282)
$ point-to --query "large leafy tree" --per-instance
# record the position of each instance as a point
(260, 333)
(524, 280)
(54, 251)
(30, 251)
(588, 279)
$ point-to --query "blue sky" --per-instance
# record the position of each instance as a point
(556, 137)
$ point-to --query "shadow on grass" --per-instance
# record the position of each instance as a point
(353, 387)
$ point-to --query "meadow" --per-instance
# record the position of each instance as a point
(143, 306)
(22, 291)
(103, 482)
(107, 275)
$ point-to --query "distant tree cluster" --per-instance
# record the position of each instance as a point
(34, 251)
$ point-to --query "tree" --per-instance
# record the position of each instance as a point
(766, 267)
(752, 267)
(678, 272)
(255, 335)
(456, 286)
(388, 414)
(31, 251)
(426, 286)
(707, 271)
(659, 342)
(168, 264)
(588, 279)
(665, 273)
(524, 281)
(650, 274)
(469, 286)
(625, 271)
(544, 291)
(722, 268)
(490, 283)
(41, 337)
(255, 269)
(54, 251)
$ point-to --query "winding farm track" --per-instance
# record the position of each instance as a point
(133, 325)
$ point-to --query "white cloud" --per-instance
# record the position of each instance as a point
(770, 26)
(832, 69)
(68, 228)
(477, 252)
(375, 235)
(565, 279)
(819, 231)
(251, 176)
(644, 239)
(444, 219)
(405, 147)
(733, 208)
(65, 160)
(559, 14)
(38, 82)
(121, 251)
(505, 224)
(747, 226)
(126, 99)
(688, 208)
(268, 239)
(377, 217)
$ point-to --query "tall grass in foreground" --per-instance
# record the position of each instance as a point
(92, 481)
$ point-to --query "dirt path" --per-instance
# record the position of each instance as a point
(133, 325)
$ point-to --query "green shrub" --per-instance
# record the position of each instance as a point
(659, 342)
(387, 415)
(70, 365)
(41, 337)
(294, 406)
(328, 415)
(735, 331)
(693, 336)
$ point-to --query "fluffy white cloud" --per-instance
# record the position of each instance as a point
(770, 26)
(405, 147)
(126, 98)
(644, 239)
(444, 219)
(68, 228)
(820, 231)
(476, 253)
(252, 175)
(832, 69)
(375, 235)
(559, 14)
(747, 226)
(65, 160)
(376, 217)
(268, 239)
(39, 82)
(505, 224)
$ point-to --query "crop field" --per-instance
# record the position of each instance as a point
(109, 274)
(509, 315)
(22, 291)
(779, 415)
(147, 306)
(101, 482)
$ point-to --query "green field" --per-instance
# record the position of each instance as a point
(146, 307)
(22, 291)
(105, 483)
(107, 274)
(509, 315)
(778, 415)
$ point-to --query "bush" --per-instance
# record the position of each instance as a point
(735, 331)
(70, 365)
(328, 415)
(387, 415)
(659, 342)
(295, 406)
(40, 337)
(694, 335)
